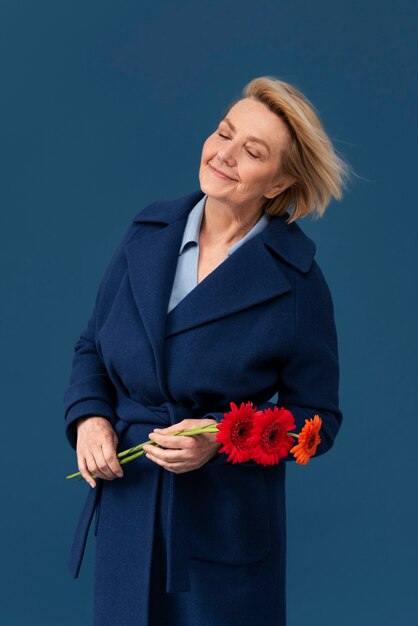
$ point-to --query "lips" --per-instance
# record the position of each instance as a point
(222, 173)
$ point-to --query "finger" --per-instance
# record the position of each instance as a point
(165, 455)
(149, 455)
(109, 453)
(93, 467)
(102, 466)
(177, 468)
(171, 441)
(82, 466)
(174, 428)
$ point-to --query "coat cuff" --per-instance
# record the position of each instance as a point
(85, 408)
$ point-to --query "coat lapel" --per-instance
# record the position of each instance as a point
(251, 275)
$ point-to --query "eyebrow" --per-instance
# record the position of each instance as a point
(256, 139)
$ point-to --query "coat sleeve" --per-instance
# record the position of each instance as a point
(91, 391)
(308, 382)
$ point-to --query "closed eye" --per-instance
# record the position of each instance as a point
(254, 156)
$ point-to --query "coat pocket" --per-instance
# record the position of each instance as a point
(230, 515)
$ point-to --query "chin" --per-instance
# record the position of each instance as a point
(210, 186)
(206, 185)
(212, 191)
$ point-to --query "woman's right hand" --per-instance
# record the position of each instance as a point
(96, 449)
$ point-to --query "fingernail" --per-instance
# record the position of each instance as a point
(120, 474)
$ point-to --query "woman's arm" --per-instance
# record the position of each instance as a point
(91, 391)
(308, 383)
(89, 415)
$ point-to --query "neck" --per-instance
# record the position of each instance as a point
(223, 224)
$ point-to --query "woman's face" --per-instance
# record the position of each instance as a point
(246, 147)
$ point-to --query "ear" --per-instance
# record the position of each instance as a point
(283, 183)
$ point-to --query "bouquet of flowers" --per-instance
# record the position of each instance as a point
(250, 434)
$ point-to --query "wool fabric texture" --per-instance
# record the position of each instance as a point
(206, 547)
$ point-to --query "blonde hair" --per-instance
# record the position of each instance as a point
(309, 159)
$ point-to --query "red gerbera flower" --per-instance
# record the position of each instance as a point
(270, 441)
(235, 430)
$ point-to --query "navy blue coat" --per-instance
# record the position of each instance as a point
(262, 322)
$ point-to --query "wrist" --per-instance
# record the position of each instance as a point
(91, 419)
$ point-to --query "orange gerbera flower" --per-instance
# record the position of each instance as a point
(308, 440)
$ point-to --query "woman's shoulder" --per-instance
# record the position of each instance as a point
(299, 250)
(290, 243)
(166, 211)
(153, 215)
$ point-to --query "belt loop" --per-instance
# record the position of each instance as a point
(81, 533)
(98, 505)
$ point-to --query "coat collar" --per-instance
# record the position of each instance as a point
(251, 275)
(288, 241)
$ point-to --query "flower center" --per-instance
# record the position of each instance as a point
(311, 440)
(240, 432)
(271, 434)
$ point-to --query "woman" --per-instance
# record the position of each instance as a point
(212, 298)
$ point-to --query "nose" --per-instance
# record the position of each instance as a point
(227, 153)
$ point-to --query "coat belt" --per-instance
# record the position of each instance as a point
(167, 414)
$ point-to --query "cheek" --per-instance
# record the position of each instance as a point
(247, 173)
(253, 175)
(210, 148)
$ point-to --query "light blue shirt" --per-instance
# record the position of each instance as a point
(187, 265)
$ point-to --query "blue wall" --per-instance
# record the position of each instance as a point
(104, 108)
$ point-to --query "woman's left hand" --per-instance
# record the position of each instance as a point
(183, 453)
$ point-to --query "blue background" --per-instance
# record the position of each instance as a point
(104, 108)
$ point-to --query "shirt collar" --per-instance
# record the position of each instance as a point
(194, 220)
(287, 241)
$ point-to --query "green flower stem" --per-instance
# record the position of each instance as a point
(133, 456)
(139, 451)
(210, 428)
